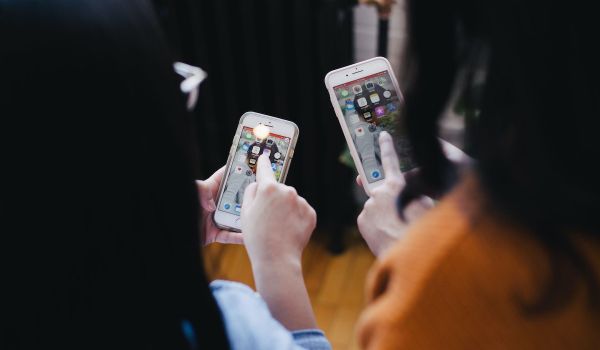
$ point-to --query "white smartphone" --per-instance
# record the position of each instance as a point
(367, 100)
(256, 134)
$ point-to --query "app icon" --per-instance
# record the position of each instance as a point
(238, 169)
(362, 102)
(359, 131)
(367, 116)
(226, 206)
(249, 135)
(248, 172)
(277, 155)
(381, 80)
(274, 166)
(369, 85)
(375, 174)
(344, 93)
(238, 208)
(286, 140)
(353, 118)
(270, 142)
(267, 152)
(349, 105)
(374, 98)
(372, 127)
(252, 161)
(391, 107)
(245, 146)
(387, 94)
(379, 111)
(255, 150)
(357, 89)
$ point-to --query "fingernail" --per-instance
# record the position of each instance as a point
(212, 205)
(384, 134)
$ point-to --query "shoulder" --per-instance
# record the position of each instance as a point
(457, 280)
(250, 325)
(460, 238)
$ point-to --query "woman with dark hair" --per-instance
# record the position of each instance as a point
(99, 208)
(510, 257)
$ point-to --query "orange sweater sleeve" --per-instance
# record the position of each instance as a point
(454, 283)
(397, 315)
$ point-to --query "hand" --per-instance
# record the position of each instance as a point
(207, 192)
(379, 222)
(276, 221)
(277, 224)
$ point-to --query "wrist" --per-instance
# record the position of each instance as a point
(274, 280)
(276, 264)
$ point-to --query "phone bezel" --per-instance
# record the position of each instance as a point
(286, 128)
(348, 74)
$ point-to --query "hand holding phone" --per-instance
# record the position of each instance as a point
(207, 191)
(379, 223)
(257, 135)
(367, 101)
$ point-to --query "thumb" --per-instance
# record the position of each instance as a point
(205, 193)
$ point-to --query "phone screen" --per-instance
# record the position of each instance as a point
(371, 105)
(243, 166)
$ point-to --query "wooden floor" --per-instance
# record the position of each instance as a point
(335, 283)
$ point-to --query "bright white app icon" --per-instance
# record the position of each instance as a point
(374, 98)
(255, 150)
(362, 102)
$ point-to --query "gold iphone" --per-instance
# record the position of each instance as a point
(256, 134)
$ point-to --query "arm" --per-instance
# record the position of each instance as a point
(250, 324)
(277, 224)
(415, 292)
(282, 287)
(452, 285)
(379, 222)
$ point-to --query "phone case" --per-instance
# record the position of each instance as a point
(340, 116)
(233, 148)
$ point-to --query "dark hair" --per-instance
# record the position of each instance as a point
(99, 205)
(537, 118)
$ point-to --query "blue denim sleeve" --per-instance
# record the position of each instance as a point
(249, 324)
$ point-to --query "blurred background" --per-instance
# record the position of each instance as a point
(271, 56)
